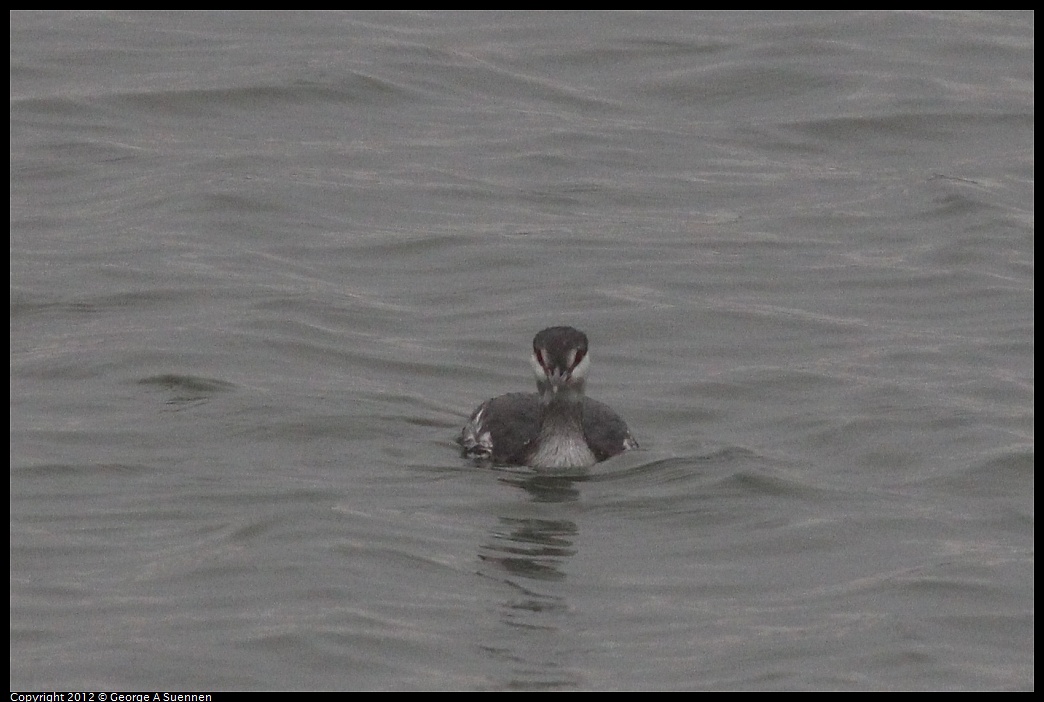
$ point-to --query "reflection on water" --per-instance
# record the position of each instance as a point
(535, 547)
(530, 554)
(531, 548)
(544, 487)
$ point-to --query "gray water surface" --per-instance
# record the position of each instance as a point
(264, 264)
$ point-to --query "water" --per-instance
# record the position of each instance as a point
(264, 264)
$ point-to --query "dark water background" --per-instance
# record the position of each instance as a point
(263, 264)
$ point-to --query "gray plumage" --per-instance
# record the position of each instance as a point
(557, 427)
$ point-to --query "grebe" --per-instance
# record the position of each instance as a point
(558, 427)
